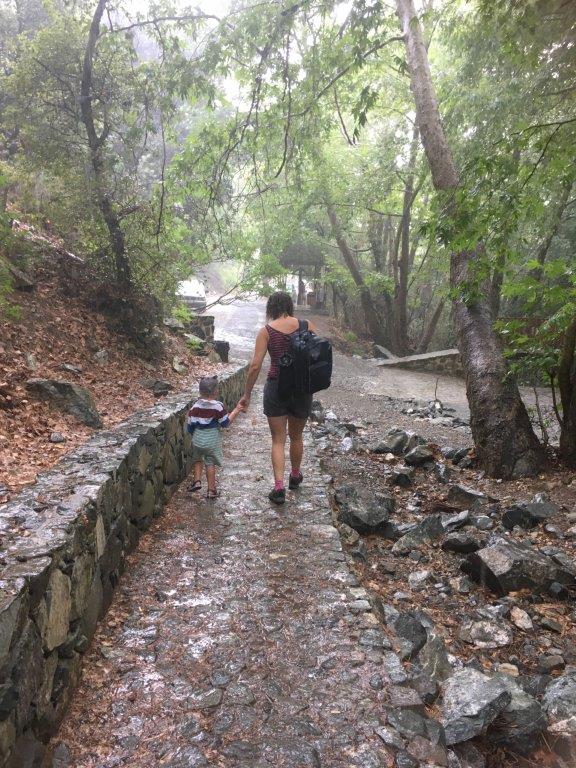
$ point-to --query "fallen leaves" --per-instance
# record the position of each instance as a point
(56, 330)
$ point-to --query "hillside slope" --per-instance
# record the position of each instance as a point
(55, 331)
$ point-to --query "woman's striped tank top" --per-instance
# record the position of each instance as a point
(278, 344)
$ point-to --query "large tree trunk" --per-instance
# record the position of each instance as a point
(505, 442)
(370, 311)
(567, 385)
(96, 144)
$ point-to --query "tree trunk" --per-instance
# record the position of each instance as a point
(401, 288)
(370, 312)
(96, 143)
(505, 442)
(567, 386)
(430, 328)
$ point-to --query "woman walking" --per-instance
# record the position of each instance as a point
(285, 417)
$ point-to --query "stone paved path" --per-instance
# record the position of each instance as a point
(237, 638)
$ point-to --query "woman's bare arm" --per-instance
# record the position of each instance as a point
(260, 350)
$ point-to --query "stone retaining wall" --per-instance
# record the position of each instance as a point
(64, 543)
(444, 361)
(202, 326)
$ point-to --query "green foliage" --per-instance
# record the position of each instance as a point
(182, 313)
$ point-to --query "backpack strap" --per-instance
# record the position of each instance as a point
(302, 326)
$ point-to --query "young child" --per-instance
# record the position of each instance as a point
(206, 418)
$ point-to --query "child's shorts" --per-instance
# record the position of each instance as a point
(207, 447)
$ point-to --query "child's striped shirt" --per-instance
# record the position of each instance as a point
(207, 414)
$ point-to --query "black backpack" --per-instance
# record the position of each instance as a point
(307, 366)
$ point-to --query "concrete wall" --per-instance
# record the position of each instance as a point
(64, 542)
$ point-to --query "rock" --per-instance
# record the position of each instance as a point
(317, 412)
(460, 455)
(402, 476)
(57, 437)
(54, 611)
(559, 703)
(465, 756)
(409, 627)
(426, 752)
(69, 398)
(523, 718)
(20, 280)
(486, 634)
(390, 737)
(363, 517)
(426, 687)
(528, 514)
(31, 361)
(455, 522)
(173, 324)
(482, 523)
(463, 496)
(418, 579)
(347, 444)
(428, 530)
(535, 685)
(397, 441)
(205, 699)
(548, 623)
(547, 664)
(461, 543)
(393, 667)
(222, 349)
(434, 659)
(508, 669)
(507, 566)
(101, 357)
(407, 722)
(461, 584)
(471, 702)
(75, 369)
(419, 455)
(158, 387)
(179, 365)
(380, 448)
(404, 760)
(521, 619)
(442, 473)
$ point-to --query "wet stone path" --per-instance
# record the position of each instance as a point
(237, 637)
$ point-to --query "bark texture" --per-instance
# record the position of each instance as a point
(505, 442)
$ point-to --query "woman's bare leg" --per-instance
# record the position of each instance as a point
(277, 426)
(295, 429)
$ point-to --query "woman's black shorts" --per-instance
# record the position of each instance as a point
(299, 407)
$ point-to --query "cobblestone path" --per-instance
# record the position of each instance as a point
(237, 637)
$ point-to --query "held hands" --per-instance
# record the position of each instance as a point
(243, 403)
